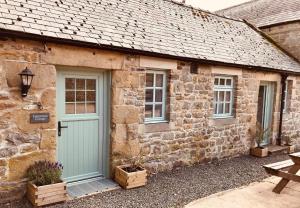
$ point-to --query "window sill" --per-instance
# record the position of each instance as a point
(222, 121)
(160, 126)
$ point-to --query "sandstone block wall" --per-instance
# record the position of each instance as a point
(287, 35)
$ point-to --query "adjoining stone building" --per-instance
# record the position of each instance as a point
(170, 83)
(279, 19)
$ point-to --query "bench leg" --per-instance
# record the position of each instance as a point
(283, 182)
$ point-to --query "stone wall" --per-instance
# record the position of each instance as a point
(287, 35)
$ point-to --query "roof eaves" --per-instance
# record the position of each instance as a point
(36, 37)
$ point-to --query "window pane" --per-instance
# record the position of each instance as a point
(149, 80)
(228, 82)
(158, 95)
(80, 84)
(80, 108)
(91, 84)
(216, 108)
(70, 84)
(158, 111)
(221, 108)
(159, 80)
(91, 96)
(70, 108)
(216, 81)
(227, 108)
(80, 96)
(222, 81)
(149, 95)
(91, 107)
(148, 111)
(216, 96)
(70, 96)
(228, 96)
(221, 96)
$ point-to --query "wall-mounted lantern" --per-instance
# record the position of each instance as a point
(26, 79)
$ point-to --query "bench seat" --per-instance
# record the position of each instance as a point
(275, 167)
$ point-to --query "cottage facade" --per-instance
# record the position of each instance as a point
(157, 80)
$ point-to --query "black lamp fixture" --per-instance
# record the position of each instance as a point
(26, 79)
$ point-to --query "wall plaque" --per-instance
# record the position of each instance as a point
(39, 117)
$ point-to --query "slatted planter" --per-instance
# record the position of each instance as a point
(259, 152)
(48, 194)
(130, 180)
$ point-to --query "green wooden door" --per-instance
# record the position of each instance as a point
(80, 115)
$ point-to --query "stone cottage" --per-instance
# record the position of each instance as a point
(115, 79)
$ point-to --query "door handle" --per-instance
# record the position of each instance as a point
(60, 127)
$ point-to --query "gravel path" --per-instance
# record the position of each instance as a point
(181, 186)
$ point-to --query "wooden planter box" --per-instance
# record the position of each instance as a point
(258, 152)
(44, 195)
(130, 180)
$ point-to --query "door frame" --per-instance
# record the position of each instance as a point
(268, 103)
(84, 71)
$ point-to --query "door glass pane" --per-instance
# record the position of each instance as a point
(216, 81)
(80, 84)
(70, 96)
(158, 111)
(148, 111)
(91, 96)
(149, 80)
(91, 107)
(158, 95)
(149, 95)
(70, 84)
(70, 108)
(216, 108)
(80, 96)
(91, 84)
(80, 108)
(216, 96)
(159, 80)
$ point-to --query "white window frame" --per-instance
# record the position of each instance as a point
(163, 103)
(223, 88)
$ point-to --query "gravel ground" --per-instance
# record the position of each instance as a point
(179, 187)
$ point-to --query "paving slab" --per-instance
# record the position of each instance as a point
(258, 195)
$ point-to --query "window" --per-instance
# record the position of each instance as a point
(155, 101)
(80, 96)
(223, 96)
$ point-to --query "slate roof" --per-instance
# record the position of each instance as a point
(157, 26)
(264, 13)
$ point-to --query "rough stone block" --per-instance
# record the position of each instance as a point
(48, 140)
(125, 114)
(18, 165)
(8, 151)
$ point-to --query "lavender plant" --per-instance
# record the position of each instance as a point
(45, 172)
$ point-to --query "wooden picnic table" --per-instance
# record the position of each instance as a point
(277, 169)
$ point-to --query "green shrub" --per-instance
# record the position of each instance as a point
(45, 172)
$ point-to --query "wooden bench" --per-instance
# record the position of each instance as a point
(277, 169)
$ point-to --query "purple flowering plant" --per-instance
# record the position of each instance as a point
(45, 172)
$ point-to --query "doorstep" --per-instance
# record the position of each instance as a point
(90, 187)
(274, 149)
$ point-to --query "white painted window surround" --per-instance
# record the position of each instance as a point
(223, 97)
(155, 99)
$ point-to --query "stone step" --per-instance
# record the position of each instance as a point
(276, 149)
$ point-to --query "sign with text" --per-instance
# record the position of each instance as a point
(39, 117)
